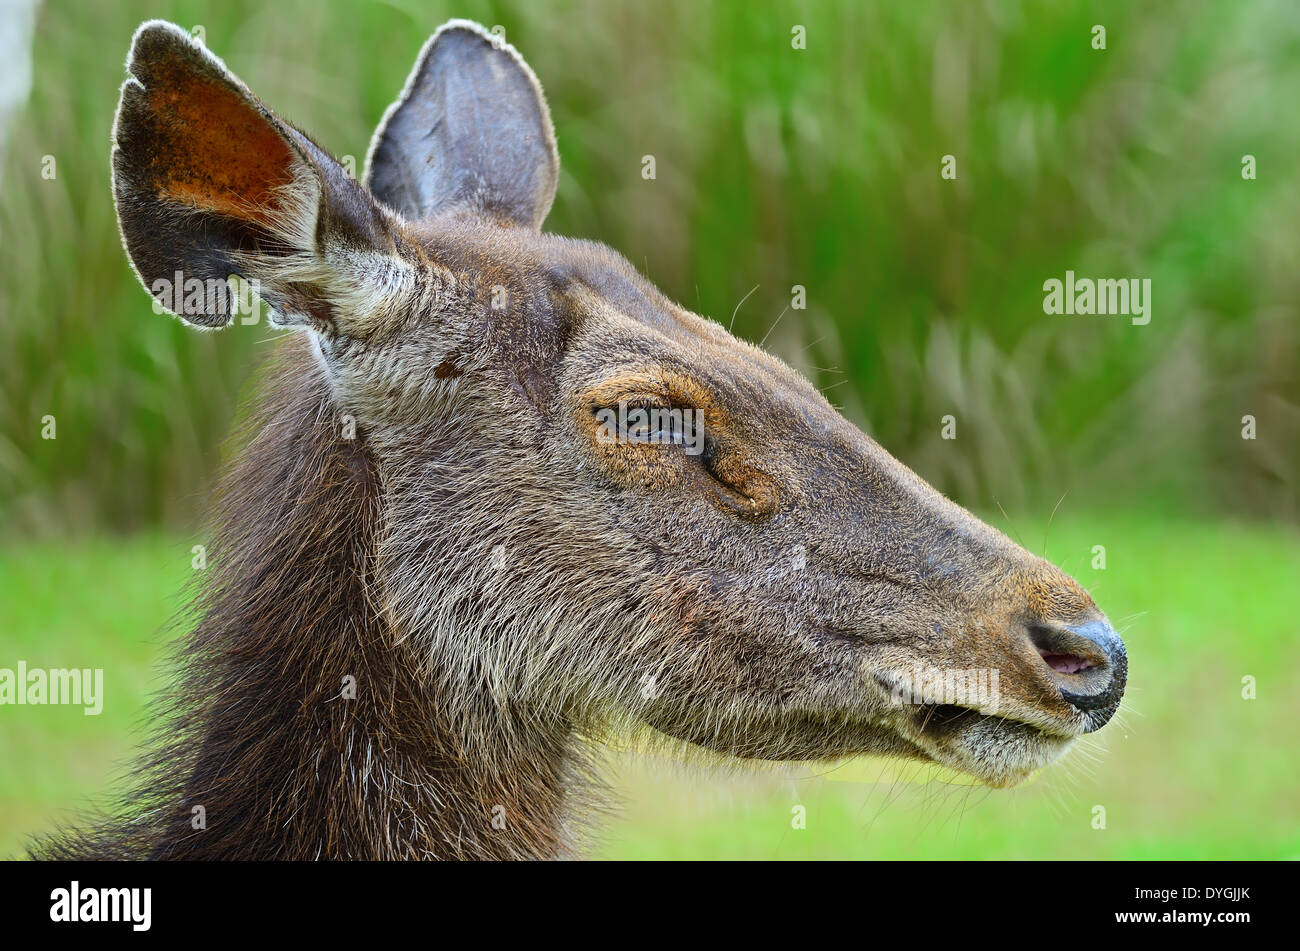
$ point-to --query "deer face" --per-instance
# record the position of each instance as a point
(598, 506)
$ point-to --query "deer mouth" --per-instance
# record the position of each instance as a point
(943, 720)
(998, 750)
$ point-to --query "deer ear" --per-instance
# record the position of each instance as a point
(208, 182)
(470, 132)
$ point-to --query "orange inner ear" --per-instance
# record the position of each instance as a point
(216, 151)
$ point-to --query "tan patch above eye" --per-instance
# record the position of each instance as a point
(214, 151)
(673, 389)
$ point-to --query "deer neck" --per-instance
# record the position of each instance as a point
(320, 732)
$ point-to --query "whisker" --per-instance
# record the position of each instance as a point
(1048, 530)
(773, 327)
(1019, 540)
(733, 313)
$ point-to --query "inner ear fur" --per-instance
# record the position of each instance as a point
(208, 182)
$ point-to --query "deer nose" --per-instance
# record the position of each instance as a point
(1088, 663)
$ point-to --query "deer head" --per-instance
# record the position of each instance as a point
(750, 573)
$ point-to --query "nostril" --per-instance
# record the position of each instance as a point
(1066, 663)
(1067, 651)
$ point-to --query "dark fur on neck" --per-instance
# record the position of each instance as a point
(256, 730)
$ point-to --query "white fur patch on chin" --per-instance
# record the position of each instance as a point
(1002, 754)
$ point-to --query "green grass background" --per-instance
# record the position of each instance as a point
(776, 167)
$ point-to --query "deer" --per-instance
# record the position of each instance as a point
(438, 583)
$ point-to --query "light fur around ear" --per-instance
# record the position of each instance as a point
(209, 183)
(471, 132)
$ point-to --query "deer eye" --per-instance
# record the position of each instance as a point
(665, 426)
(678, 445)
(652, 424)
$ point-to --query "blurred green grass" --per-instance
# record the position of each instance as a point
(1188, 770)
(776, 167)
